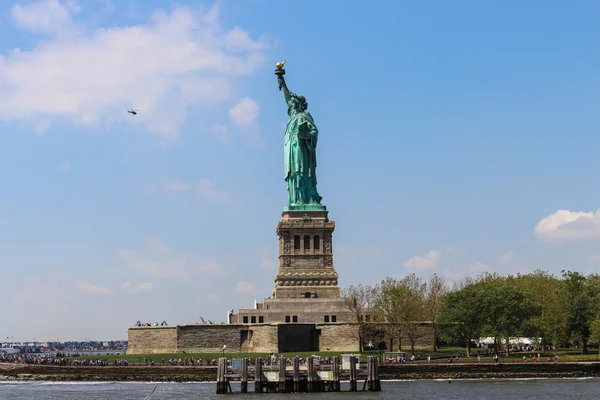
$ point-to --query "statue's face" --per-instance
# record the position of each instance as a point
(298, 103)
(295, 104)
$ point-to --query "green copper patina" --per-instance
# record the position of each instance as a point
(300, 151)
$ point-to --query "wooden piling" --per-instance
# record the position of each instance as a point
(329, 381)
(296, 363)
(244, 375)
(336, 375)
(372, 378)
(310, 375)
(353, 374)
(369, 378)
(377, 384)
(258, 376)
(282, 367)
(221, 376)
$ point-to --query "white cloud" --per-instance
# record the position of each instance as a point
(507, 257)
(160, 261)
(176, 186)
(244, 115)
(565, 224)
(268, 265)
(210, 266)
(207, 189)
(220, 133)
(244, 287)
(175, 61)
(511, 263)
(93, 289)
(47, 17)
(138, 288)
(43, 287)
(479, 267)
(204, 187)
(451, 249)
(430, 260)
(453, 274)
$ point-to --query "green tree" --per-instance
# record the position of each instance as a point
(413, 311)
(507, 310)
(595, 332)
(400, 305)
(545, 288)
(387, 311)
(580, 300)
(461, 316)
(359, 301)
(434, 297)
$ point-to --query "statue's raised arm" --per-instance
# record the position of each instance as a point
(280, 72)
(282, 85)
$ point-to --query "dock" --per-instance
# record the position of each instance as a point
(298, 375)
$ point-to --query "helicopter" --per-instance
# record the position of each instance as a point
(132, 111)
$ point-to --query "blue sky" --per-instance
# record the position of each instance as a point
(455, 137)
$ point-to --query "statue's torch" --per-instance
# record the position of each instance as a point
(280, 72)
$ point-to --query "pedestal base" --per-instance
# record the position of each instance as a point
(307, 292)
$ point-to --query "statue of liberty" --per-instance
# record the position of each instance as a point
(300, 151)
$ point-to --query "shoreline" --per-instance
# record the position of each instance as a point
(404, 372)
(511, 370)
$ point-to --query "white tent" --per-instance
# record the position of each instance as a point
(484, 341)
(514, 341)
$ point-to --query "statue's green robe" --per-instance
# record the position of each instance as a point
(300, 158)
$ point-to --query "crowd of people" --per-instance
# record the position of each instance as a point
(46, 359)
(60, 359)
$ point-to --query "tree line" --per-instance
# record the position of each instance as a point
(560, 311)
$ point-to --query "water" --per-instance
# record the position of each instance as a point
(505, 389)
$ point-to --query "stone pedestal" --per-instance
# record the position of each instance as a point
(306, 284)
(306, 256)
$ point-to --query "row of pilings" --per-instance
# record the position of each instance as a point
(307, 378)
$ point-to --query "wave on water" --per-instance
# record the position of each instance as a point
(53, 383)
(541, 378)
(67, 383)
(490, 379)
(581, 378)
(80, 383)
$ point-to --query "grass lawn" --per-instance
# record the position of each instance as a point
(563, 355)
